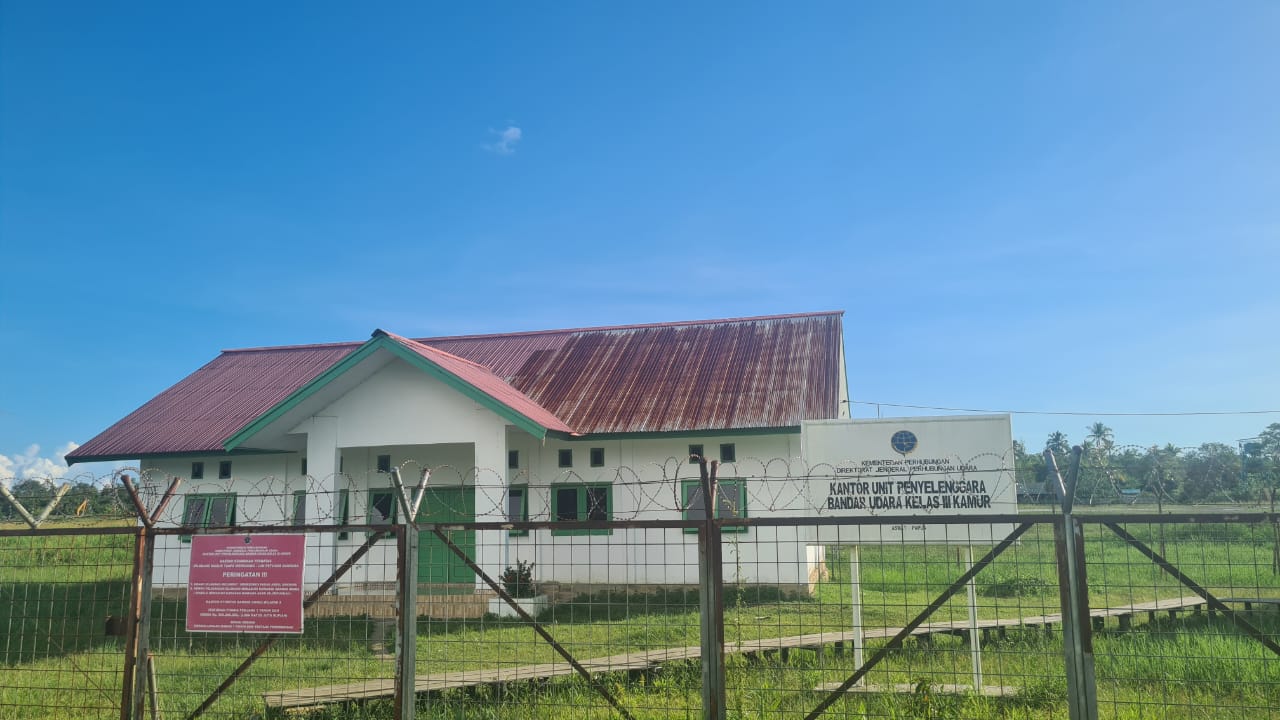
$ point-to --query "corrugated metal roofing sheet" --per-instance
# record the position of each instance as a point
(774, 371)
(212, 403)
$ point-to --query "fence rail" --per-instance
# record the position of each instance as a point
(1035, 615)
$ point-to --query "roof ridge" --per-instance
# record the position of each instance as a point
(636, 326)
(304, 346)
(446, 353)
(526, 333)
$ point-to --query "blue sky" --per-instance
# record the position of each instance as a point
(1030, 206)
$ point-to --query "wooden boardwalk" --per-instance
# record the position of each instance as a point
(649, 660)
(908, 689)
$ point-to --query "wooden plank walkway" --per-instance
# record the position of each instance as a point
(647, 660)
(908, 689)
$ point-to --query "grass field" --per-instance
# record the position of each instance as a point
(57, 661)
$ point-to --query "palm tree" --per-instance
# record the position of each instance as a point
(1058, 443)
(1100, 442)
(1101, 437)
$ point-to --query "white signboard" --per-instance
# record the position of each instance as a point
(911, 468)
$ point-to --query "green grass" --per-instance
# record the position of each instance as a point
(55, 592)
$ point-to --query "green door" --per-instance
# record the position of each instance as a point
(436, 562)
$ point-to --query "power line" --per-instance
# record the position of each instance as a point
(1073, 413)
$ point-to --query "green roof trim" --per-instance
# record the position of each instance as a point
(674, 434)
(143, 457)
(381, 341)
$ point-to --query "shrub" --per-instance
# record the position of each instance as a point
(518, 580)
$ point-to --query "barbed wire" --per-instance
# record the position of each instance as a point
(766, 485)
(775, 486)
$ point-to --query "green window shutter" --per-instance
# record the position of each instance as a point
(731, 501)
(193, 512)
(582, 502)
(205, 510)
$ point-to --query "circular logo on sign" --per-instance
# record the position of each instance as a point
(903, 441)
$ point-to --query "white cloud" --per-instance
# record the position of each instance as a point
(507, 140)
(30, 464)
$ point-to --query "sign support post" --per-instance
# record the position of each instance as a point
(913, 469)
(855, 593)
(975, 643)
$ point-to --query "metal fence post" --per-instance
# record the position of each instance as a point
(131, 627)
(407, 634)
(710, 598)
(1077, 628)
(138, 635)
(142, 646)
(407, 597)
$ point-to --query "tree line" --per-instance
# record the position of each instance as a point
(83, 499)
(1211, 472)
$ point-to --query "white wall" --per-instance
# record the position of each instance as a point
(402, 405)
(646, 475)
(263, 485)
(422, 422)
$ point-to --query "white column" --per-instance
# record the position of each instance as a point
(491, 497)
(322, 496)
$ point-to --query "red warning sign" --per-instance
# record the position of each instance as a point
(246, 583)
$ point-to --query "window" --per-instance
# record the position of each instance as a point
(598, 497)
(299, 507)
(344, 512)
(518, 507)
(304, 466)
(597, 457)
(197, 471)
(513, 459)
(566, 503)
(582, 502)
(695, 450)
(382, 506)
(202, 511)
(224, 470)
(384, 463)
(728, 453)
(731, 502)
(566, 458)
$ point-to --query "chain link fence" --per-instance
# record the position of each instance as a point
(533, 615)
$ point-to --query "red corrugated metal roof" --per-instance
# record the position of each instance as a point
(774, 371)
(212, 403)
(761, 372)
